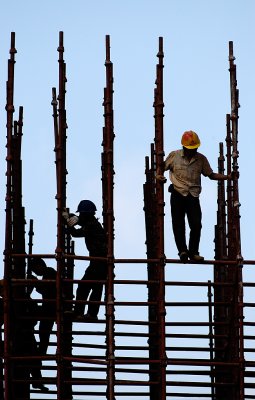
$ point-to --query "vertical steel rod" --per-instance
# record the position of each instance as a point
(159, 153)
(107, 188)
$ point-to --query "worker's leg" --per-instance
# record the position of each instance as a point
(194, 215)
(178, 210)
(45, 329)
(83, 291)
(96, 295)
(35, 366)
(99, 274)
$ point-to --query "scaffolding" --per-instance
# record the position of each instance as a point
(162, 355)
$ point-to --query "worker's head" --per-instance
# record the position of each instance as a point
(87, 210)
(38, 266)
(190, 140)
(87, 207)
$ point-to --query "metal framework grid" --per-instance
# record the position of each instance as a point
(153, 357)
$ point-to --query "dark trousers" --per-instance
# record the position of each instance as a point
(95, 271)
(35, 365)
(190, 206)
(45, 327)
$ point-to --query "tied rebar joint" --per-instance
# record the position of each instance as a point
(59, 254)
(110, 259)
(235, 154)
(161, 153)
(9, 107)
(164, 361)
(160, 54)
(158, 103)
(234, 114)
(13, 50)
(162, 260)
(237, 204)
(162, 313)
(239, 259)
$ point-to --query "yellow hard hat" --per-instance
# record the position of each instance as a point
(190, 140)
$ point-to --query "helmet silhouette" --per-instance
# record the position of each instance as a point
(190, 140)
(86, 206)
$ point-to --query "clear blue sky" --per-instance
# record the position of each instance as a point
(196, 94)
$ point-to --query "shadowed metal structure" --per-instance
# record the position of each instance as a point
(164, 354)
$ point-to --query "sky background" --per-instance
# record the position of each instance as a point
(196, 95)
(196, 36)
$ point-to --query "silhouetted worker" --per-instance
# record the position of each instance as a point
(48, 292)
(186, 167)
(96, 243)
(26, 320)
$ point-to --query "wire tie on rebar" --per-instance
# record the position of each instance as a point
(235, 154)
(237, 204)
(13, 50)
(9, 107)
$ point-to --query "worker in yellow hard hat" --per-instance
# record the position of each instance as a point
(186, 167)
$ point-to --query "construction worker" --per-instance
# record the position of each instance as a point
(48, 292)
(96, 243)
(186, 167)
(27, 313)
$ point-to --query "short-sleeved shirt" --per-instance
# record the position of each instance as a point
(185, 175)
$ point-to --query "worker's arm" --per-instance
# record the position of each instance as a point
(220, 177)
(71, 219)
(159, 176)
(76, 232)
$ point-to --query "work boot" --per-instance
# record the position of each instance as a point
(184, 256)
(40, 386)
(85, 318)
(196, 257)
(69, 312)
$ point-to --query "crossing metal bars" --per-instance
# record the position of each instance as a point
(161, 367)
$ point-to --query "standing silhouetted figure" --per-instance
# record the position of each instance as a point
(95, 240)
